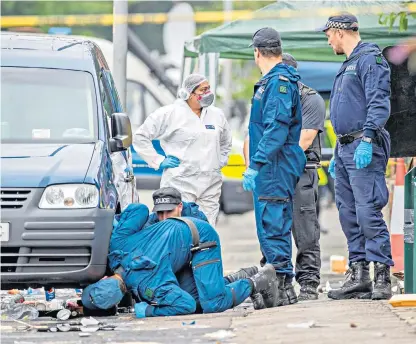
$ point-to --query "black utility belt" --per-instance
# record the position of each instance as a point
(351, 137)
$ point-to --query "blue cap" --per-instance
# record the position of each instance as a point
(343, 21)
(103, 294)
(266, 37)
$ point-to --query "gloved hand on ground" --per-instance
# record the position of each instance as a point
(363, 155)
(248, 181)
(140, 309)
(331, 168)
(170, 162)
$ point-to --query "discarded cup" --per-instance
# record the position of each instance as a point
(63, 314)
(63, 327)
(89, 322)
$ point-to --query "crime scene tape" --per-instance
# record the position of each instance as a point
(198, 17)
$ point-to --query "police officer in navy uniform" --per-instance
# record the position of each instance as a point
(276, 159)
(305, 228)
(359, 110)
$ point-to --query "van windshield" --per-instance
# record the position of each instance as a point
(47, 105)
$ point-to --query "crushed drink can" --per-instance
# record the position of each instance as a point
(50, 294)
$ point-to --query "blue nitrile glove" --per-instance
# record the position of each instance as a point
(363, 154)
(140, 309)
(331, 168)
(248, 180)
(170, 162)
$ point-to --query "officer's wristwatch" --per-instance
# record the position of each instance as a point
(367, 139)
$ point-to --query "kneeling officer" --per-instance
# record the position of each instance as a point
(172, 266)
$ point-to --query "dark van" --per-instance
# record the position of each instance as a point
(65, 161)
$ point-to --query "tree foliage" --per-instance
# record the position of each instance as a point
(402, 18)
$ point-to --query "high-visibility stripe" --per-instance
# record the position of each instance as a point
(198, 17)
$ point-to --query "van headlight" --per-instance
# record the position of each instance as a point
(70, 196)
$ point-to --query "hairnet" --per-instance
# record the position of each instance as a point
(103, 294)
(192, 81)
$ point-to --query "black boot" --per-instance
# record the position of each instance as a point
(278, 290)
(357, 284)
(290, 293)
(241, 274)
(308, 291)
(257, 298)
(382, 282)
(263, 283)
(258, 301)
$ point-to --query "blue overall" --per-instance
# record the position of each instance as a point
(360, 101)
(274, 131)
(160, 269)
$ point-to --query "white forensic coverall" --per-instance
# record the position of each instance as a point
(202, 144)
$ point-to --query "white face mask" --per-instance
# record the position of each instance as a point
(206, 99)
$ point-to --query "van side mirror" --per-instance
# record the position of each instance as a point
(121, 131)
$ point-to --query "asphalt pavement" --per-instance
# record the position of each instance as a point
(323, 321)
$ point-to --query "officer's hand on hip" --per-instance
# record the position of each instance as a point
(363, 154)
(170, 162)
(248, 181)
(331, 168)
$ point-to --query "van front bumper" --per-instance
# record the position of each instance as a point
(58, 247)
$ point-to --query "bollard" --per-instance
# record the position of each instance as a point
(410, 233)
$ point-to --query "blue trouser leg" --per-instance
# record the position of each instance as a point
(187, 282)
(274, 223)
(161, 289)
(363, 193)
(214, 295)
(345, 201)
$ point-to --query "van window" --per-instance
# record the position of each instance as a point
(47, 105)
(114, 94)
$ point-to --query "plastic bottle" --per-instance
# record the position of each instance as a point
(19, 311)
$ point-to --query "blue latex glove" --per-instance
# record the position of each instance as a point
(140, 309)
(363, 155)
(248, 180)
(170, 162)
(331, 168)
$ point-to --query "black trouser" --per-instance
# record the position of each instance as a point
(305, 229)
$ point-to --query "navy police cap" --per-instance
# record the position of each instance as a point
(343, 21)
